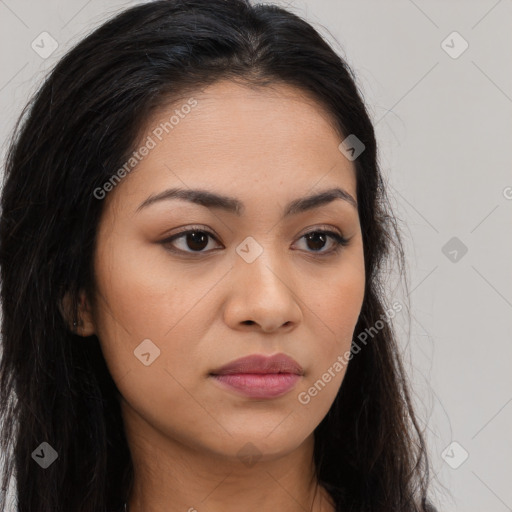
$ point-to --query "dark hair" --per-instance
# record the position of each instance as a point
(78, 129)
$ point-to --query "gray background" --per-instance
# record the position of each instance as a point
(444, 125)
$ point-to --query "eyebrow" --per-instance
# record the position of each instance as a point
(233, 205)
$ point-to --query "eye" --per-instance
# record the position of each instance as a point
(196, 239)
(317, 239)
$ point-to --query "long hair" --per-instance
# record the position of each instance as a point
(76, 131)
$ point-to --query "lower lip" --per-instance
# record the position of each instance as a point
(263, 385)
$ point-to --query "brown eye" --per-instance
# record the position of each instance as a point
(318, 239)
(192, 241)
(196, 240)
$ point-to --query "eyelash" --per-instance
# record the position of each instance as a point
(339, 240)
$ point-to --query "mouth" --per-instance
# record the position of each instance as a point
(259, 376)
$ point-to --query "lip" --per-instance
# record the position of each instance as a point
(260, 376)
(259, 363)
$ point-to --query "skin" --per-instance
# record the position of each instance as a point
(266, 147)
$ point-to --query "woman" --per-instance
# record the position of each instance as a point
(193, 235)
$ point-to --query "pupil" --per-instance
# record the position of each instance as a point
(312, 236)
(197, 237)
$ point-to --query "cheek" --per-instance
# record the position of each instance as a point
(142, 297)
(137, 296)
(336, 300)
(334, 309)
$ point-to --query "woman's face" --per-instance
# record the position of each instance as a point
(168, 313)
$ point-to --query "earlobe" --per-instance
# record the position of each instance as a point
(83, 325)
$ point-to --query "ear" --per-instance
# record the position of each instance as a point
(84, 323)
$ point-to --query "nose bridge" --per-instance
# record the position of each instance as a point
(262, 290)
(260, 263)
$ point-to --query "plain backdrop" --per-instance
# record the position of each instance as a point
(437, 79)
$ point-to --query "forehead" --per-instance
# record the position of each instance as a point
(235, 138)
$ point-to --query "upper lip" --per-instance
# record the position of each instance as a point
(258, 363)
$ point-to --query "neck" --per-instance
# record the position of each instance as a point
(170, 476)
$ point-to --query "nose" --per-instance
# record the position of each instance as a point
(262, 294)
